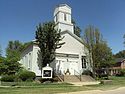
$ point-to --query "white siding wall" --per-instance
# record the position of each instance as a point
(29, 59)
(25, 58)
(35, 67)
(72, 46)
(65, 27)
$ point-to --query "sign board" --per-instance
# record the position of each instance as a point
(47, 72)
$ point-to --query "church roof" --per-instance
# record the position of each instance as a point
(33, 42)
(61, 5)
(74, 36)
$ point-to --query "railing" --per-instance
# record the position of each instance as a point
(77, 74)
(60, 76)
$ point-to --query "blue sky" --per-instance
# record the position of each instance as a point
(19, 18)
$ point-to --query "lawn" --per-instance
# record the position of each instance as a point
(41, 89)
(36, 88)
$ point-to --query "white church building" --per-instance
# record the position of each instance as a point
(72, 56)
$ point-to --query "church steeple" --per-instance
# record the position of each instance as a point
(62, 18)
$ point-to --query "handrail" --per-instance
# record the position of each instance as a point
(78, 76)
(60, 77)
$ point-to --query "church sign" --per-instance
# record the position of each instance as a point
(47, 72)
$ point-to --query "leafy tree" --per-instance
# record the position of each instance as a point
(9, 68)
(10, 64)
(48, 39)
(1, 58)
(102, 56)
(77, 30)
(124, 39)
(120, 54)
(13, 51)
(25, 45)
(98, 50)
(0, 51)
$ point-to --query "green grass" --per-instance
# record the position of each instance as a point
(43, 89)
(37, 88)
(116, 83)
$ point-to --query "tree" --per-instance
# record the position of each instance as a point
(13, 51)
(98, 50)
(10, 64)
(0, 51)
(9, 68)
(103, 56)
(1, 58)
(77, 30)
(48, 40)
(124, 39)
(120, 54)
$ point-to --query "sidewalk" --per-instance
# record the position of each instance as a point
(84, 83)
(120, 90)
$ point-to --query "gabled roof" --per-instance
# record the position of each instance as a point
(120, 59)
(61, 5)
(63, 32)
(74, 36)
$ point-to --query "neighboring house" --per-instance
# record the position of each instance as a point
(72, 56)
(120, 64)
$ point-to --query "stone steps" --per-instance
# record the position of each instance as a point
(74, 78)
(86, 78)
(70, 78)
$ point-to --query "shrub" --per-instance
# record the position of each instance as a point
(8, 78)
(26, 75)
(43, 80)
(121, 72)
(55, 79)
(87, 72)
(48, 80)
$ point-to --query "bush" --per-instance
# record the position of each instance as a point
(121, 72)
(26, 75)
(55, 79)
(43, 80)
(8, 78)
(87, 72)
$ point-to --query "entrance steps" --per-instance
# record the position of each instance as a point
(87, 78)
(76, 78)
(71, 78)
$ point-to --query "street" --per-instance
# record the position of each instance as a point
(115, 91)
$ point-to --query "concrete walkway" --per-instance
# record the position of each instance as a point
(115, 91)
(84, 83)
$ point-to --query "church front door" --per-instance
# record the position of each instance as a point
(73, 67)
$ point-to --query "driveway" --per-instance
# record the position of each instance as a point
(115, 91)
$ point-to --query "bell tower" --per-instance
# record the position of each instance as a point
(62, 18)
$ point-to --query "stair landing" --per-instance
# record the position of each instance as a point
(74, 78)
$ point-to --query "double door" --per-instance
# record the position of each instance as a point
(70, 66)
